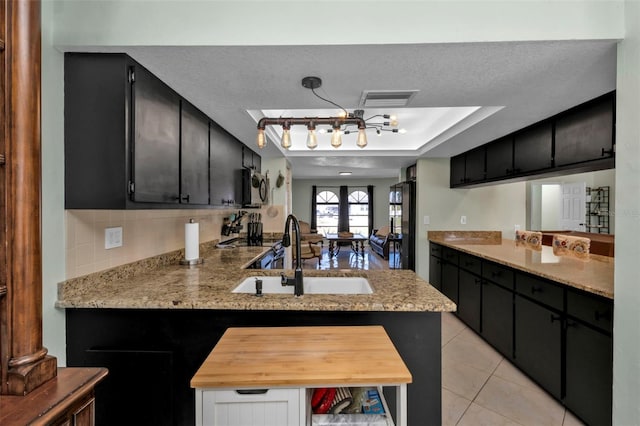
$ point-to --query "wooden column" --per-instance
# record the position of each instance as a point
(29, 365)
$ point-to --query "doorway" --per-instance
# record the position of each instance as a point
(557, 206)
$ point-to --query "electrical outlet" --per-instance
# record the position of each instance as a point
(425, 220)
(463, 220)
(113, 237)
(516, 227)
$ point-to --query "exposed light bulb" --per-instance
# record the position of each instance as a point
(260, 140)
(362, 138)
(336, 138)
(312, 139)
(394, 120)
(403, 131)
(285, 142)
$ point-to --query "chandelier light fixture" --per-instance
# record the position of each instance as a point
(345, 123)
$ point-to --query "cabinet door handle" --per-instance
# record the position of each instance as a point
(251, 391)
(535, 290)
(185, 198)
(478, 281)
(607, 152)
(604, 315)
(555, 318)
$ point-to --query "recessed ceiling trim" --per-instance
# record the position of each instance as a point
(386, 98)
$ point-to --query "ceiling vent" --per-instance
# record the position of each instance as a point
(386, 98)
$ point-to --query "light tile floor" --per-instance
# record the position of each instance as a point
(481, 387)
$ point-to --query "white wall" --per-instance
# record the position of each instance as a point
(143, 22)
(491, 208)
(626, 322)
(301, 191)
(52, 204)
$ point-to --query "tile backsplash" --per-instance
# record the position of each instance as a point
(146, 233)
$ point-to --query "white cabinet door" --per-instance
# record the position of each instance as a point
(273, 407)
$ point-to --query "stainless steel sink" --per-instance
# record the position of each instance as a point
(312, 285)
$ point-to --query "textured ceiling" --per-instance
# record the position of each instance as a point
(532, 80)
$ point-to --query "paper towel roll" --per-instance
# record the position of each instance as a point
(191, 241)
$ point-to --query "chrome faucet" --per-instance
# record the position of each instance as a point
(296, 280)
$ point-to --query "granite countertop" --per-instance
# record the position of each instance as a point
(593, 274)
(161, 283)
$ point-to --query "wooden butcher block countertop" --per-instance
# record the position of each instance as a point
(256, 357)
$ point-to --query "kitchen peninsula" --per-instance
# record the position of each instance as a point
(153, 323)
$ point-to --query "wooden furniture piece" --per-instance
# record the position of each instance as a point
(24, 363)
(258, 358)
(356, 241)
(68, 399)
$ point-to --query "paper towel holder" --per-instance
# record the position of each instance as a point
(191, 262)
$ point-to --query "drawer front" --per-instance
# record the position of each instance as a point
(435, 250)
(450, 255)
(264, 408)
(540, 290)
(470, 263)
(592, 309)
(498, 274)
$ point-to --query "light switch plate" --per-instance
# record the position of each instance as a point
(425, 220)
(463, 220)
(113, 237)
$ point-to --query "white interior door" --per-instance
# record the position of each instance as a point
(572, 211)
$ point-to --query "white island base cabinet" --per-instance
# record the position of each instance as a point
(265, 376)
(254, 407)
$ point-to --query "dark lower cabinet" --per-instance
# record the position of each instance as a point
(560, 336)
(152, 354)
(589, 375)
(497, 317)
(450, 281)
(469, 299)
(142, 395)
(538, 344)
(435, 272)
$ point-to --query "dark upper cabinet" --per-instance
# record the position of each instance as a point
(457, 170)
(533, 148)
(500, 158)
(226, 168)
(586, 133)
(133, 142)
(156, 139)
(572, 140)
(468, 167)
(475, 165)
(97, 129)
(194, 156)
(251, 160)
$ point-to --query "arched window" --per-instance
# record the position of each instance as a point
(327, 212)
(359, 212)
